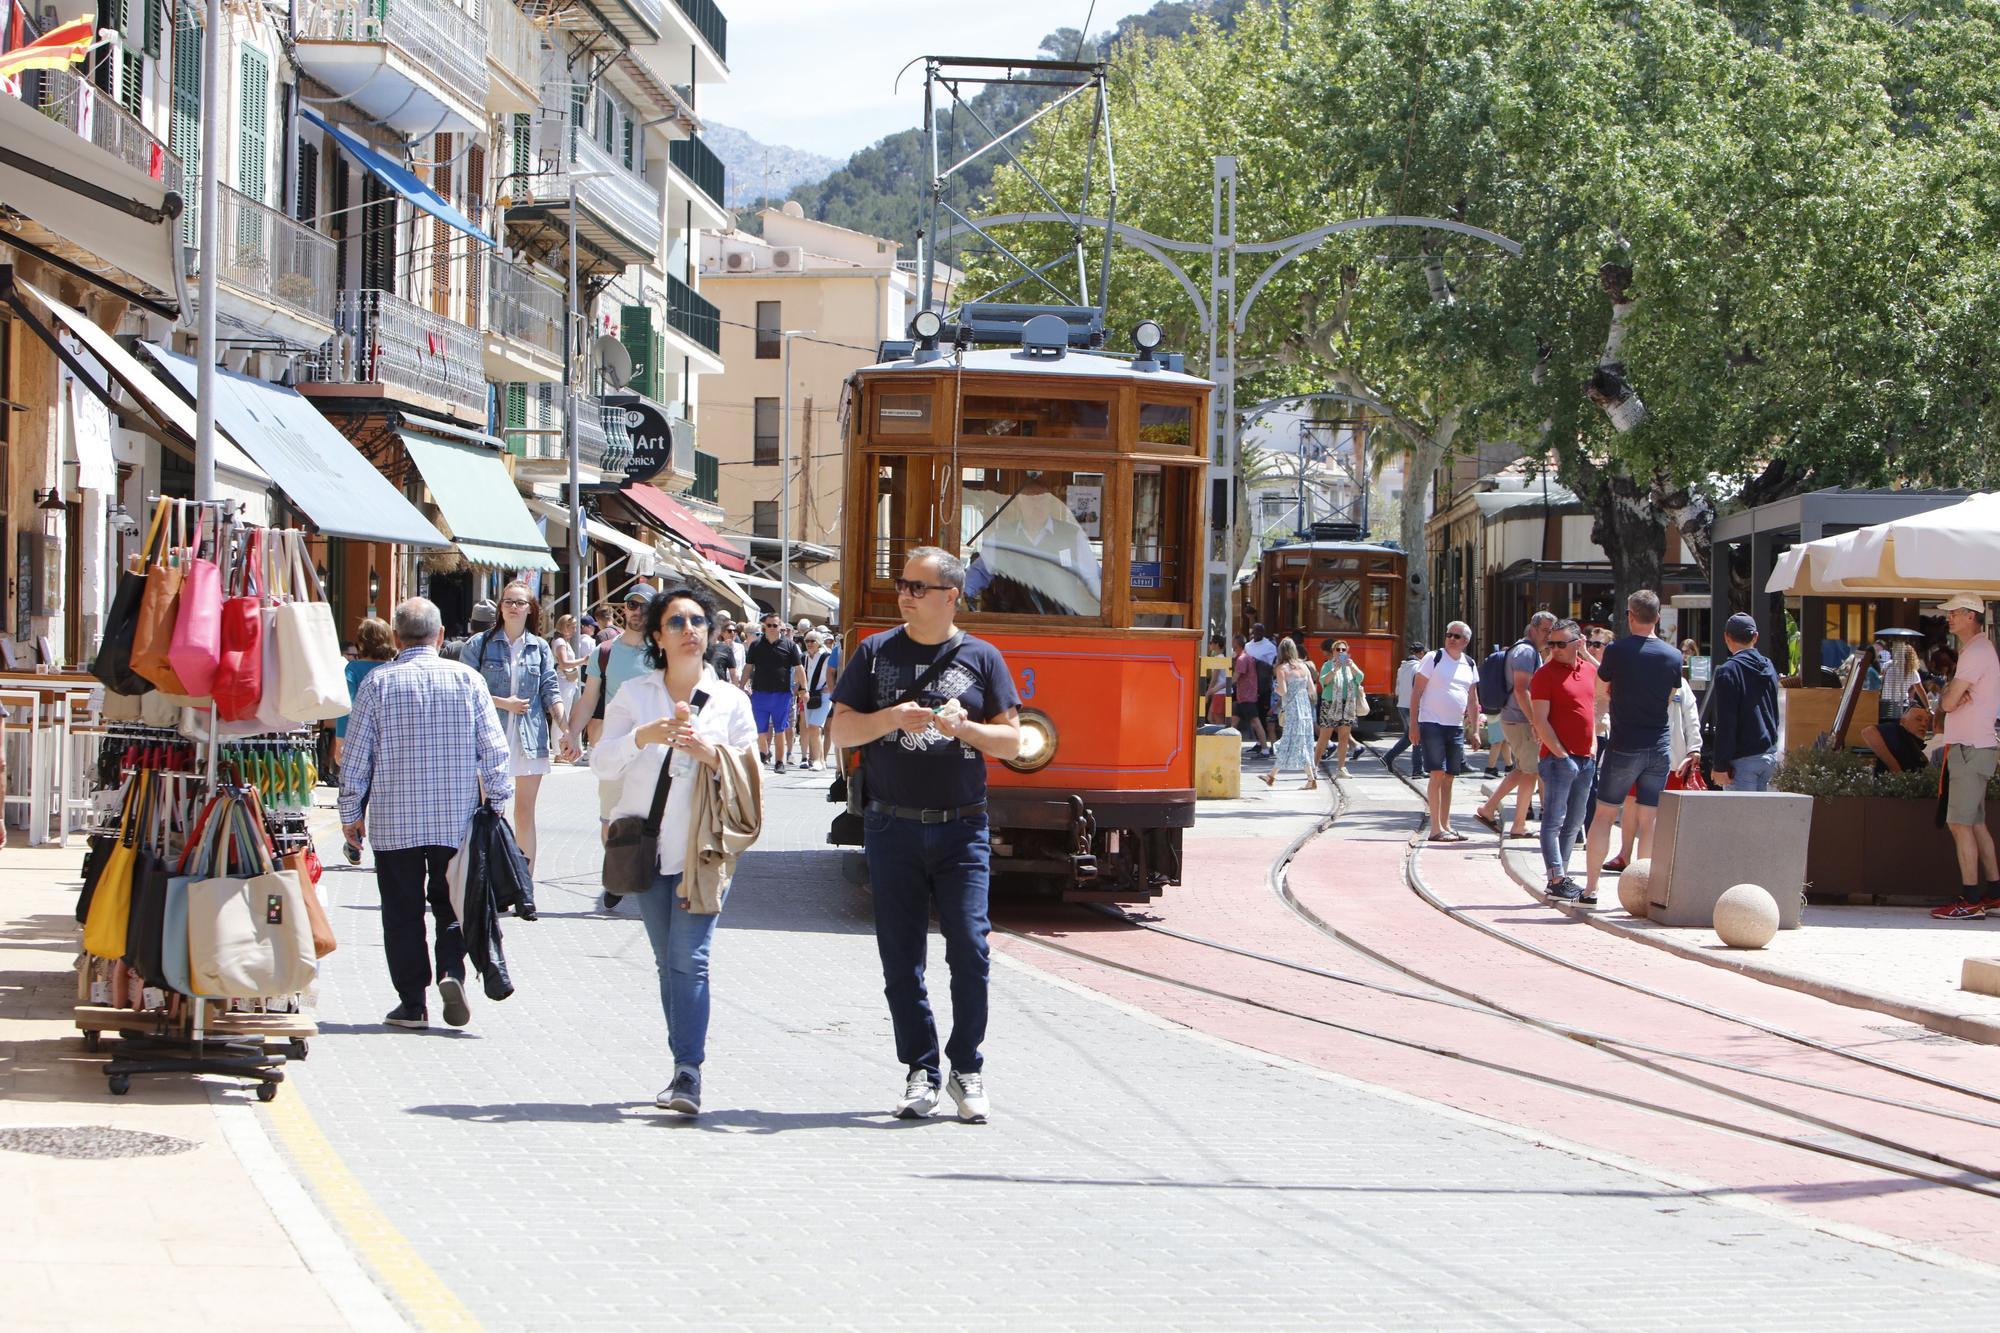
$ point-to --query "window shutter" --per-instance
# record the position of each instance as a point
(308, 200)
(441, 231)
(524, 153)
(184, 120)
(635, 330)
(628, 144)
(150, 33)
(251, 153)
(132, 81)
(517, 419)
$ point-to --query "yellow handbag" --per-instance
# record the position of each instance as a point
(105, 927)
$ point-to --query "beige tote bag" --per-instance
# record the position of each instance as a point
(312, 675)
(249, 934)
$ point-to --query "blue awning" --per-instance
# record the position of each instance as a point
(311, 462)
(397, 177)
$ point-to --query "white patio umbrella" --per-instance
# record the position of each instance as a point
(1932, 554)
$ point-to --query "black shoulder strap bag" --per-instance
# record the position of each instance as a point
(632, 843)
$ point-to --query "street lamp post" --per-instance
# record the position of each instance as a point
(575, 542)
(785, 483)
(210, 250)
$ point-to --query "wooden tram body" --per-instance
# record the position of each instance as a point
(1347, 590)
(1072, 485)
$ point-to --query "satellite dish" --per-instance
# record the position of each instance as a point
(614, 362)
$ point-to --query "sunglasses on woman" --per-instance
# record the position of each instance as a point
(680, 622)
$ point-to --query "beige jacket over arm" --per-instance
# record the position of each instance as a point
(727, 816)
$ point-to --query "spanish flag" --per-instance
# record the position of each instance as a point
(59, 48)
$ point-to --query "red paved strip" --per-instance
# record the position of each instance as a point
(1354, 878)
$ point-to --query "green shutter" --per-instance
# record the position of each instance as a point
(150, 41)
(524, 151)
(517, 419)
(251, 153)
(132, 82)
(648, 349)
(184, 122)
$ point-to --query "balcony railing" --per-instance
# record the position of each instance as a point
(601, 442)
(620, 197)
(649, 13)
(92, 114)
(383, 339)
(521, 306)
(698, 162)
(266, 254)
(512, 43)
(692, 315)
(709, 22)
(436, 35)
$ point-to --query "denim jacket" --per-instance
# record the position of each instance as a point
(538, 683)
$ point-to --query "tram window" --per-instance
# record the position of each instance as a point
(1166, 423)
(904, 514)
(903, 414)
(1381, 603)
(1020, 416)
(1160, 498)
(1032, 541)
(1339, 604)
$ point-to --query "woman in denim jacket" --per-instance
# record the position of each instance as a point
(519, 668)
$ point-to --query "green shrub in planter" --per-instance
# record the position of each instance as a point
(1812, 772)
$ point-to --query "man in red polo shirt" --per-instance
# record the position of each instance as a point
(1564, 694)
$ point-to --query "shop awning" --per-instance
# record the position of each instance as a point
(397, 177)
(684, 562)
(490, 523)
(642, 559)
(88, 200)
(173, 412)
(312, 463)
(820, 600)
(671, 516)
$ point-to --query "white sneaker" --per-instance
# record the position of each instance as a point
(920, 1095)
(969, 1091)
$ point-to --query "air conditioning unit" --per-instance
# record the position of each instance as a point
(789, 258)
(739, 261)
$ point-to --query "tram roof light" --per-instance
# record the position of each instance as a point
(927, 326)
(1146, 335)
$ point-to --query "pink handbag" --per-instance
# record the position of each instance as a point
(197, 640)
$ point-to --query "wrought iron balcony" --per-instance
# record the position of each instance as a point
(692, 315)
(514, 51)
(709, 21)
(94, 115)
(381, 339)
(601, 442)
(269, 256)
(698, 162)
(410, 64)
(521, 306)
(619, 215)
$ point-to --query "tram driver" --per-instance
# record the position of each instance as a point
(1030, 555)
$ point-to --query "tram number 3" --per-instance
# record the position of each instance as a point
(1028, 683)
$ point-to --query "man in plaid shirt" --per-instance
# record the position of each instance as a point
(424, 747)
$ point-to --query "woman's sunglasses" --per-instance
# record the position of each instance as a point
(678, 623)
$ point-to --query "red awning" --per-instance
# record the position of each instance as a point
(675, 517)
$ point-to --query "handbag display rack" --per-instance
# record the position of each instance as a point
(203, 815)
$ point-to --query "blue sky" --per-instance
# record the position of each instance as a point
(821, 74)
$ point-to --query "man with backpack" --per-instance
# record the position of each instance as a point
(605, 671)
(1519, 664)
(927, 705)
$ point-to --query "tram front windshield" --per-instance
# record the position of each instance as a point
(1032, 541)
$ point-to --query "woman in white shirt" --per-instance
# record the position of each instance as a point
(652, 715)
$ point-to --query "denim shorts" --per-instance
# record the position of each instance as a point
(1643, 773)
(1444, 747)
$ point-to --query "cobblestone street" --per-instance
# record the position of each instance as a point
(1135, 1174)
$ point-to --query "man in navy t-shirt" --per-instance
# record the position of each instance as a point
(1642, 671)
(925, 737)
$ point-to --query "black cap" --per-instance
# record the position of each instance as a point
(1741, 627)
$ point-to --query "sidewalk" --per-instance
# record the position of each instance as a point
(168, 1208)
(1894, 960)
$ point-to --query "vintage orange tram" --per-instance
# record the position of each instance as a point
(1350, 590)
(1070, 482)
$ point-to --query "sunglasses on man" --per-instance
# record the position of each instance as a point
(916, 588)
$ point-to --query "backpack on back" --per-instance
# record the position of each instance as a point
(1494, 686)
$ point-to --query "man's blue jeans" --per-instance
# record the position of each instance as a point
(1753, 772)
(1566, 784)
(680, 941)
(910, 866)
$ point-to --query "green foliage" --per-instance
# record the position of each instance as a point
(1810, 772)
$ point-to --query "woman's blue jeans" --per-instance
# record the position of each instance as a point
(1566, 784)
(680, 950)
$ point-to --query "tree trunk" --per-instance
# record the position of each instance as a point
(1420, 460)
(1629, 529)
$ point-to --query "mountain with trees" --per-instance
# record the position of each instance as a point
(756, 169)
(1760, 248)
(881, 190)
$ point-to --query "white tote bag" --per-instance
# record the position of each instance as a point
(249, 935)
(312, 675)
(278, 590)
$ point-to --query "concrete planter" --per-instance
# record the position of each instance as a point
(1881, 849)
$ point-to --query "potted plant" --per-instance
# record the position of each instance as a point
(1874, 835)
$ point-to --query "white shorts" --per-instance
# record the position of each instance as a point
(521, 766)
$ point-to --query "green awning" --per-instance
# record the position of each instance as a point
(490, 523)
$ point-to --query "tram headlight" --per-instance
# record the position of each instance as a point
(927, 326)
(1038, 742)
(1146, 336)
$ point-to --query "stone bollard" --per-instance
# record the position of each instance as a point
(1218, 763)
(1746, 917)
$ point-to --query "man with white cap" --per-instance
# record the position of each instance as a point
(1969, 704)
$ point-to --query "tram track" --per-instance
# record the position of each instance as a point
(1968, 1177)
